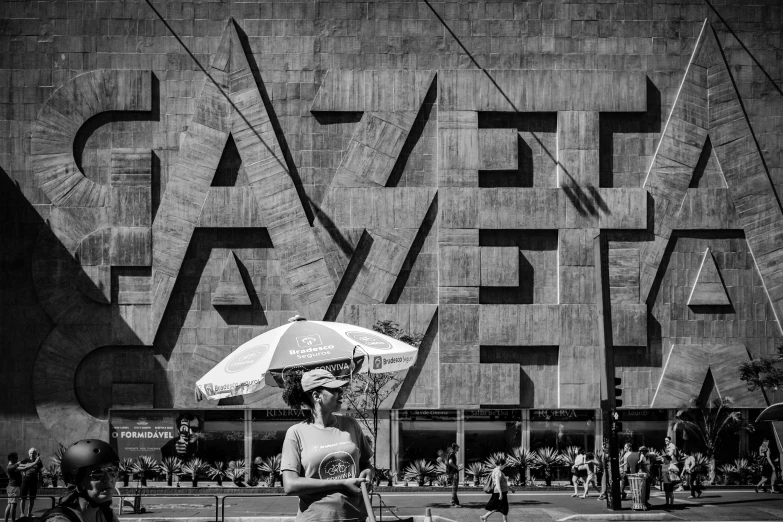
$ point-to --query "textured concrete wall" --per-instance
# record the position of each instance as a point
(178, 177)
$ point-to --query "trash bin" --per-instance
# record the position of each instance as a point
(638, 483)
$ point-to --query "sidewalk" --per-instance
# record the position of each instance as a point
(528, 506)
(544, 506)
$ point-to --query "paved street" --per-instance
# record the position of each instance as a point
(548, 506)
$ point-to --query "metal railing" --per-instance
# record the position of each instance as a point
(145, 493)
(31, 497)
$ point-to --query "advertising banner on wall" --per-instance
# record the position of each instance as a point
(158, 434)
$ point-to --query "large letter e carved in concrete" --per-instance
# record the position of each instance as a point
(92, 226)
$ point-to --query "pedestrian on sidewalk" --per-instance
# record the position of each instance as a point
(90, 468)
(592, 466)
(624, 453)
(13, 490)
(767, 468)
(605, 462)
(498, 484)
(669, 475)
(31, 469)
(579, 471)
(453, 467)
(326, 457)
(690, 474)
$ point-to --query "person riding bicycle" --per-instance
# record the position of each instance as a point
(90, 468)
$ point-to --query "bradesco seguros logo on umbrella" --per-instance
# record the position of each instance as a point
(246, 358)
(369, 340)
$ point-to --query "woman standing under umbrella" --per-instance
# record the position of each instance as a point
(326, 457)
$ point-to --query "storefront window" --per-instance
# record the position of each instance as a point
(761, 430)
(269, 428)
(644, 428)
(224, 435)
(210, 435)
(490, 431)
(560, 429)
(423, 433)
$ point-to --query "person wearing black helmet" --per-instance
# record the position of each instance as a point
(90, 468)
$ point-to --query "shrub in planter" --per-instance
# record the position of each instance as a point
(236, 472)
(195, 467)
(217, 471)
(126, 470)
(544, 460)
(419, 470)
(520, 460)
(270, 468)
(52, 472)
(144, 467)
(170, 466)
(475, 471)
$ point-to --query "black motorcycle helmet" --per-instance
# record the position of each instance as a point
(85, 453)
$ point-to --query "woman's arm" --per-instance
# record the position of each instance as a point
(293, 484)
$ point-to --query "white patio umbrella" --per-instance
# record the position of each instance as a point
(342, 349)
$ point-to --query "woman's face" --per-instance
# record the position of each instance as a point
(331, 399)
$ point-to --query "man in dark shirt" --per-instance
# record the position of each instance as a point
(453, 467)
(30, 468)
(14, 483)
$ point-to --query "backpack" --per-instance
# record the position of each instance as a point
(489, 487)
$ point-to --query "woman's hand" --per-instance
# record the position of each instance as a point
(352, 486)
(369, 474)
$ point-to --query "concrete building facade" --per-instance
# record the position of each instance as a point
(178, 177)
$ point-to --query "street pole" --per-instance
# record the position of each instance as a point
(606, 364)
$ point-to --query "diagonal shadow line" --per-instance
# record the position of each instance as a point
(220, 89)
(577, 193)
(736, 37)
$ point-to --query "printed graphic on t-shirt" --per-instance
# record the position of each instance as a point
(337, 466)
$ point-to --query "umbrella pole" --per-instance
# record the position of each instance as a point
(367, 503)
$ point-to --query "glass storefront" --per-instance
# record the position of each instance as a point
(489, 431)
(560, 429)
(644, 428)
(407, 435)
(423, 433)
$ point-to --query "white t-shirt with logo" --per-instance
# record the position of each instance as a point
(334, 452)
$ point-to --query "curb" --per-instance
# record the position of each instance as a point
(621, 516)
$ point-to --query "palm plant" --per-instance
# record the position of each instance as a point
(707, 423)
(52, 472)
(476, 471)
(270, 467)
(383, 474)
(441, 473)
(144, 467)
(520, 460)
(58, 455)
(195, 467)
(125, 470)
(419, 470)
(217, 471)
(236, 472)
(568, 455)
(544, 459)
(170, 466)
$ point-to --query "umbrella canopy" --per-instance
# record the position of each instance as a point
(342, 349)
(773, 413)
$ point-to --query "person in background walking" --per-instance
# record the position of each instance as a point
(498, 502)
(577, 472)
(645, 466)
(767, 468)
(14, 484)
(669, 475)
(605, 464)
(624, 453)
(690, 475)
(453, 467)
(592, 466)
(30, 467)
